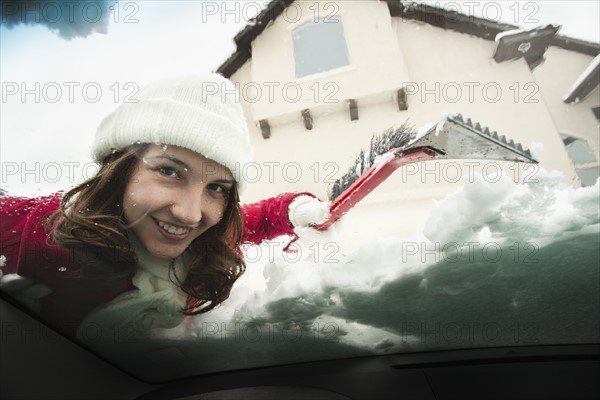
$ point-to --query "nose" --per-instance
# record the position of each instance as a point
(188, 208)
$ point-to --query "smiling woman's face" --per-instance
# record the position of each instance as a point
(173, 197)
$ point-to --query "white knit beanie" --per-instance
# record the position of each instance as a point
(201, 113)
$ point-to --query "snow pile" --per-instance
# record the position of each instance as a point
(541, 210)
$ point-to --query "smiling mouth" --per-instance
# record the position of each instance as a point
(173, 229)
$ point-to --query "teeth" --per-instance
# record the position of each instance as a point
(174, 230)
(493, 134)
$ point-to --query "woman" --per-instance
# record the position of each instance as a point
(155, 234)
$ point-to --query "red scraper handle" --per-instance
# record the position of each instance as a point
(372, 178)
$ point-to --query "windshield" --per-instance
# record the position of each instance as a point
(456, 148)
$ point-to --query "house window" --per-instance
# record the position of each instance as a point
(319, 46)
(582, 156)
(588, 176)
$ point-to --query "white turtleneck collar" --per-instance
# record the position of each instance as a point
(152, 274)
(155, 303)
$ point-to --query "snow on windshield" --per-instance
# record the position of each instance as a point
(497, 264)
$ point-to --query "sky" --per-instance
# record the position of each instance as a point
(60, 79)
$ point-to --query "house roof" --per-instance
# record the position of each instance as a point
(587, 81)
(435, 16)
(243, 40)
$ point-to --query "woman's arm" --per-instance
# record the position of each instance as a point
(22, 233)
(276, 216)
(22, 240)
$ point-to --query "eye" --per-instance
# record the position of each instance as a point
(168, 171)
(221, 189)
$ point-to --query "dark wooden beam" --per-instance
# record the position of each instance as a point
(402, 102)
(308, 121)
(265, 128)
(353, 106)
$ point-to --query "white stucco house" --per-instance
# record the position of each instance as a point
(317, 79)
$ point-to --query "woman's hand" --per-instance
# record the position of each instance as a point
(307, 210)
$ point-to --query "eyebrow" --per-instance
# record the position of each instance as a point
(173, 159)
(225, 181)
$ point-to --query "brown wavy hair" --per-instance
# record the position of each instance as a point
(91, 225)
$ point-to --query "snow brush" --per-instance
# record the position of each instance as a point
(453, 138)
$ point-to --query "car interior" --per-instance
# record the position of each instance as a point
(39, 363)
